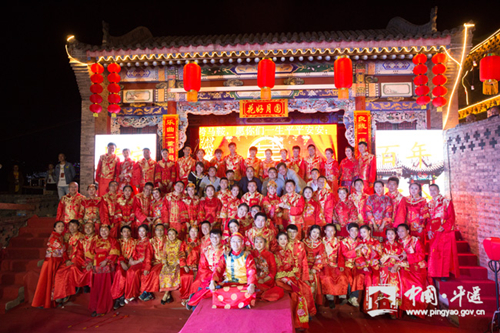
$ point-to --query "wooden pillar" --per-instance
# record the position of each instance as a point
(172, 107)
(360, 103)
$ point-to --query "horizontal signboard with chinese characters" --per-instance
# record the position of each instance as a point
(274, 108)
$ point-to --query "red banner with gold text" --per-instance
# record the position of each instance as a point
(363, 128)
(274, 108)
(171, 135)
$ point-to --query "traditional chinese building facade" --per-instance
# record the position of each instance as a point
(152, 76)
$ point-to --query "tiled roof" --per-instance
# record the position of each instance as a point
(397, 29)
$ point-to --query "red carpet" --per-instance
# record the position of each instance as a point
(274, 317)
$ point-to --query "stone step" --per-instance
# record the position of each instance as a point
(18, 265)
(23, 242)
(9, 292)
(25, 253)
(467, 259)
(9, 277)
(473, 273)
(463, 247)
(486, 293)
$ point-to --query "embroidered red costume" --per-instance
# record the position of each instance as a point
(144, 172)
(165, 175)
(108, 169)
(333, 279)
(177, 215)
(415, 213)
(378, 211)
(70, 208)
(443, 256)
(55, 255)
(344, 213)
(125, 174)
(310, 163)
(348, 171)
(235, 163)
(367, 169)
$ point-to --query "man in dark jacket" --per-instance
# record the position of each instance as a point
(65, 172)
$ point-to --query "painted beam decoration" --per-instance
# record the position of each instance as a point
(170, 135)
(363, 127)
(276, 108)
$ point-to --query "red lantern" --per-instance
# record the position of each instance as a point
(96, 99)
(439, 80)
(343, 76)
(96, 78)
(419, 59)
(96, 88)
(439, 91)
(439, 58)
(95, 109)
(438, 69)
(114, 78)
(114, 109)
(192, 81)
(420, 69)
(420, 80)
(423, 100)
(114, 68)
(114, 88)
(439, 102)
(265, 78)
(492, 248)
(97, 68)
(422, 90)
(489, 73)
(114, 98)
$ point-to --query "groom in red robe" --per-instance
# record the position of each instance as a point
(443, 256)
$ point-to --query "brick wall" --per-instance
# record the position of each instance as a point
(474, 180)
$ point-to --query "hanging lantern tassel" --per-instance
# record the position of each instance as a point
(343, 76)
(266, 73)
(96, 88)
(192, 81)
(489, 73)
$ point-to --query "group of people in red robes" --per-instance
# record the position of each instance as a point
(323, 232)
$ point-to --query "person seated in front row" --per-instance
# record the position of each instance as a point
(234, 269)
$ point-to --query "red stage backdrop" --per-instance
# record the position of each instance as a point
(274, 137)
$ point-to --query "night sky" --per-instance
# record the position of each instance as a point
(42, 115)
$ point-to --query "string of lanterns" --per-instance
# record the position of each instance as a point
(96, 88)
(114, 89)
(421, 79)
(439, 80)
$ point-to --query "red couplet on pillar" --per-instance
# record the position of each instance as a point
(266, 73)
(192, 81)
(343, 76)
